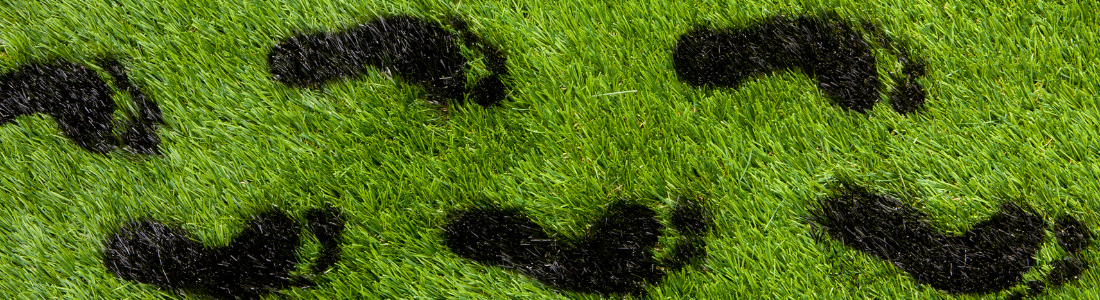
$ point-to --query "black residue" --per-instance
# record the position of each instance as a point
(692, 220)
(992, 256)
(1073, 236)
(1066, 270)
(141, 130)
(690, 217)
(908, 95)
(80, 101)
(613, 257)
(825, 48)
(327, 225)
(257, 262)
(416, 50)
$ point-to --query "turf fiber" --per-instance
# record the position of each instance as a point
(700, 149)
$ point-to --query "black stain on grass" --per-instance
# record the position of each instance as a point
(908, 96)
(613, 257)
(825, 48)
(692, 220)
(992, 256)
(80, 102)
(416, 50)
(327, 225)
(140, 132)
(1074, 237)
(257, 262)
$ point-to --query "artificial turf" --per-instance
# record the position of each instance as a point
(595, 114)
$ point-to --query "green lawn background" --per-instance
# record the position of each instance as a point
(1012, 114)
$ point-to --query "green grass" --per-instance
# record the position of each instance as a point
(1012, 114)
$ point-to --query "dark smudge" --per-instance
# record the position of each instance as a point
(415, 50)
(1074, 238)
(992, 256)
(140, 132)
(691, 219)
(1072, 235)
(327, 225)
(257, 262)
(825, 48)
(908, 96)
(613, 257)
(81, 103)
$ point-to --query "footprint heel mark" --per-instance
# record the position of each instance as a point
(991, 257)
(72, 94)
(825, 48)
(80, 102)
(153, 253)
(257, 262)
(613, 257)
(415, 50)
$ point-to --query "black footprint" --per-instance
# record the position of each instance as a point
(826, 48)
(614, 257)
(992, 256)
(259, 261)
(81, 103)
(1074, 238)
(416, 50)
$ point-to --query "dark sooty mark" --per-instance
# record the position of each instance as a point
(908, 96)
(81, 103)
(1074, 238)
(826, 48)
(613, 257)
(416, 50)
(257, 262)
(991, 257)
(327, 225)
(692, 221)
(140, 132)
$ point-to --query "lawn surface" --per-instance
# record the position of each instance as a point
(596, 114)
